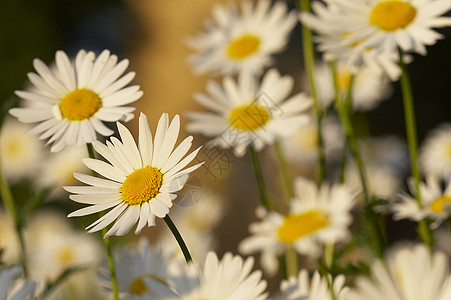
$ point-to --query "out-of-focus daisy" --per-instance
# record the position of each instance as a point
(53, 247)
(234, 41)
(9, 290)
(301, 288)
(72, 100)
(409, 273)
(247, 113)
(9, 241)
(57, 170)
(20, 153)
(436, 203)
(368, 87)
(435, 153)
(136, 269)
(230, 278)
(140, 181)
(317, 217)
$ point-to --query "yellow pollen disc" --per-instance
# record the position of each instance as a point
(249, 117)
(343, 79)
(79, 105)
(438, 205)
(137, 287)
(392, 15)
(65, 256)
(243, 47)
(142, 185)
(297, 226)
(14, 148)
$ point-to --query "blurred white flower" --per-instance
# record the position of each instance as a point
(435, 152)
(11, 290)
(9, 241)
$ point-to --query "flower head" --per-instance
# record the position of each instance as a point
(435, 153)
(72, 100)
(248, 113)
(235, 41)
(140, 181)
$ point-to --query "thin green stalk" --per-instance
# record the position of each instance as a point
(411, 131)
(309, 64)
(10, 207)
(179, 239)
(266, 201)
(292, 262)
(106, 242)
(329, 255)
(285, 172)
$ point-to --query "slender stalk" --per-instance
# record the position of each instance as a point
(106, 242)
(309, 63)
(179, 239)
(266, 201)
(285, 172)
(329, 255)
(411, 131)
(10, 207)
(292, 262)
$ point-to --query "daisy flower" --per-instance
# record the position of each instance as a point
(409, 273)
(435, 153)
(140, 180)
(302, 288)
(72, 100)
(136, 268)
(436, 203)
(316, 217)
(234, 41)
(246, 112)
(230, 278)
(10, 291)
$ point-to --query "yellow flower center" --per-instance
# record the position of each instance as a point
(65, 256)
(79, 105)
(297, 226)
(438, 205)
(137, 287)
(14, 148)
(142, 185)
(243, 47)
(392, 15)
(343, 79)
(249, 117)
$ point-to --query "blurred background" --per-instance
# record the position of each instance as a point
(150, 34)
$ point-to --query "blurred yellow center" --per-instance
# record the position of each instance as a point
(392, 15)
(137, 287)
(142, 185)
(438, 205)
(65, 256)
(297, 226)
(243, 46)
(343, 79)
(14, 148)
(249, 117)
(79, 105)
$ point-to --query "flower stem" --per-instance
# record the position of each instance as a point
(292, 262)
(309, 64)
(266, 201)
(411, 131)
(179, 239)
(285, 172)
(106, 242)
(10, 207)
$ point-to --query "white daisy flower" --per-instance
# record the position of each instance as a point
(409, 273)
(436, 203)
(302, 288)
(368, 87)
(317, 216)
(9, 241)
(247, 113)
(230, 278)
(234, 41)
(435, 153)
(20, 153)
(9, 290)
(136, 269)
(72, 100)
(140, 181)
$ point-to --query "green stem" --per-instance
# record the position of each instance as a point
(106, 242)
(10, 207)
(266, 201)
(285, 172)
(179, 239)
(292, 262)
(309, 63)
(411, 131)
